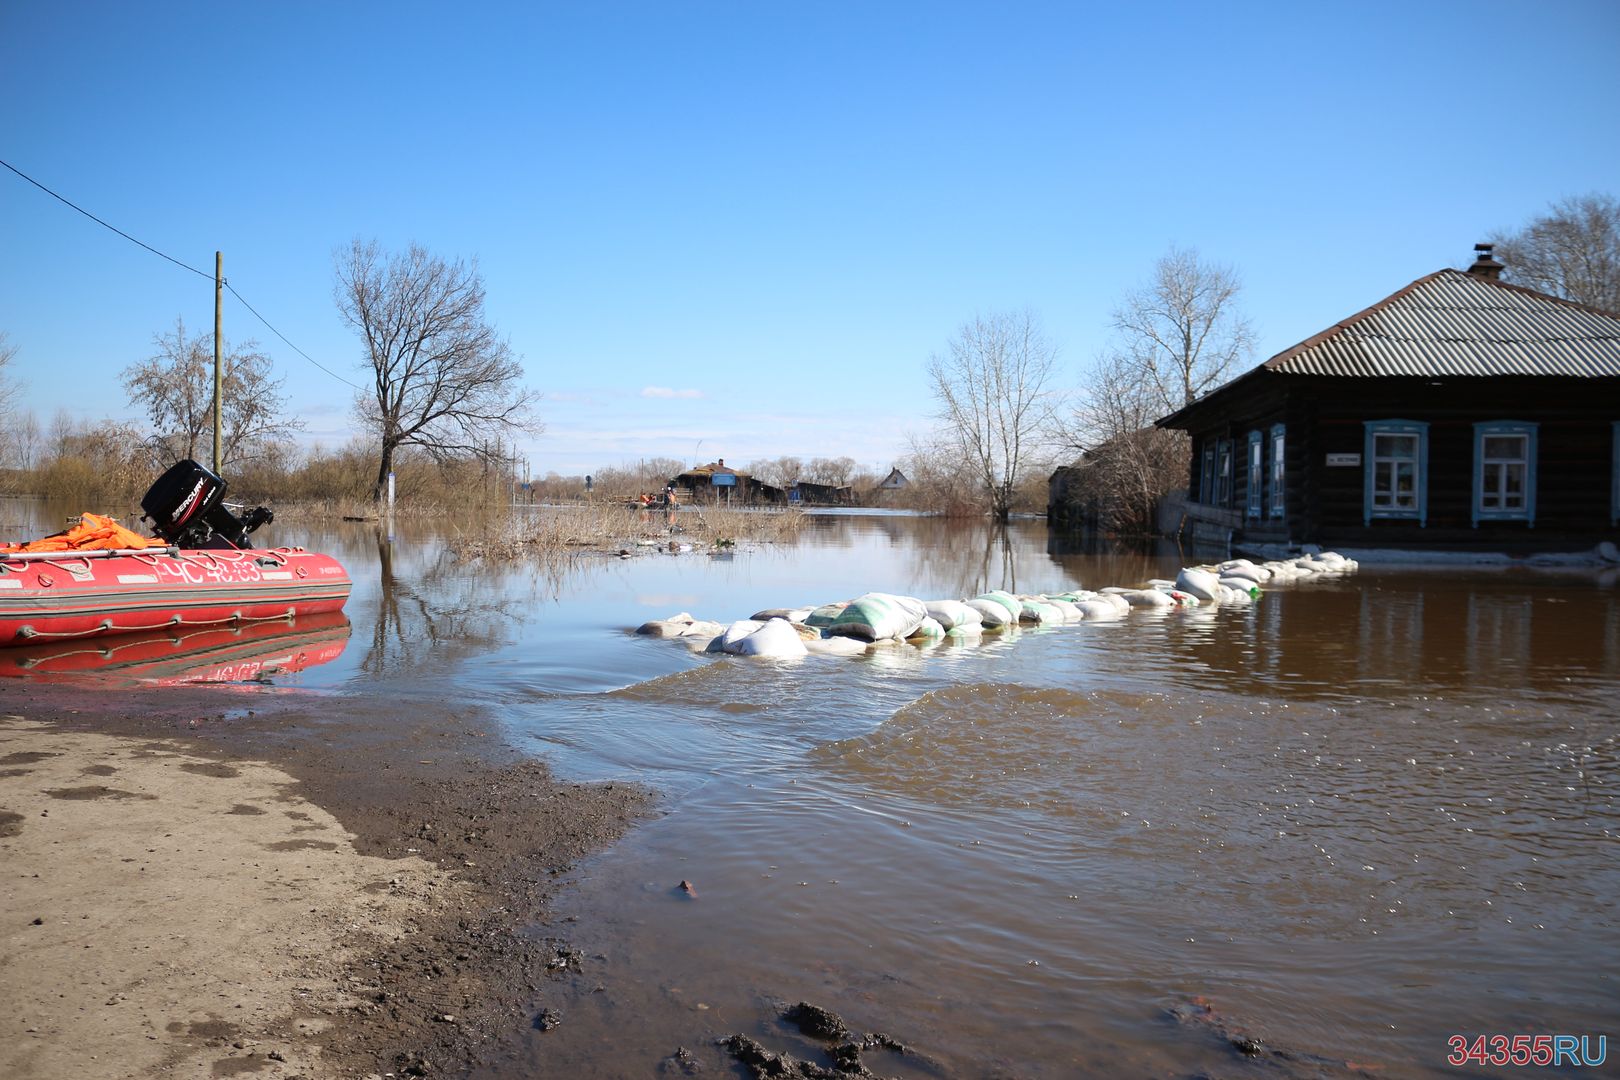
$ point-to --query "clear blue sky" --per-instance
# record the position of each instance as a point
(747, 225)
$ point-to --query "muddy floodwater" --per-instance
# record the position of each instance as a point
(1313, 836)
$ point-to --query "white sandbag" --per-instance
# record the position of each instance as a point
(1244, 568)
(927, 630)
(1120, 603)
(1099, 610)
(1244, 585)
(950, 613)
(879, 617)
(674, 626)
(797, 615)
(971, 631)
(776, 640)
(1235, 596)
(733, 634)
(1148, 598)
(1037, 611)
(1070, 611)
(992, 614)
(1006, 600)
(1201, 583)
(836, 646)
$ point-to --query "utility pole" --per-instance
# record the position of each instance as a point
(219, 349)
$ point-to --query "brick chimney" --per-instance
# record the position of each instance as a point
(1485, 265)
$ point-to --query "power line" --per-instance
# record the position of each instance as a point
(182, 266)
(290, 345)
(98, 221)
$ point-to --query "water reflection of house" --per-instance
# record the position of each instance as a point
(1460, 412)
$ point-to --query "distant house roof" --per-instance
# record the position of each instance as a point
(895, 479)
(1454, 323)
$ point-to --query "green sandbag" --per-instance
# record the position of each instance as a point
(879, 617)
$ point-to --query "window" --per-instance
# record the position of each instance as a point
(1223, 472)
(1505, 472)
(1206, 475)
(1396, 471)
(1278, 474)
(1257, 473)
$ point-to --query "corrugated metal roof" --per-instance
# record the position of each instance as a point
(1456, 323)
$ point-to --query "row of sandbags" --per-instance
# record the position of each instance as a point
(853, 626)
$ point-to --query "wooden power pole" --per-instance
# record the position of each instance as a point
(219, 349)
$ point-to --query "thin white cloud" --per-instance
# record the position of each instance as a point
(667, 392)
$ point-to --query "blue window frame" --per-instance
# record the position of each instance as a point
(1505, 471)
(1396, 474)
(1257, 474)
(1206, 475)
(1279, 474)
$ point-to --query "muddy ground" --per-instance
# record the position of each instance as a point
(452, 844)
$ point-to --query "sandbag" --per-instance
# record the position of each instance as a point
(797, 615)
(1147, 598)
(1006, 600)
(775, 640)
(927, 630)
(1241, 584)
(825, 614)
(1037, 611)
(1201, 583)
(949, 613)
(733, 634)
(879, 617)
(992, 614)
(1099, 610)
(836, 646)
(1066, 608)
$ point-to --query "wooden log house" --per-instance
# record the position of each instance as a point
(1459, 413)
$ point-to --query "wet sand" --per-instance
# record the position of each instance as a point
(300, 886)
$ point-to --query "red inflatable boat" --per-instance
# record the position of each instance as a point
(46, 596)
(100, 578)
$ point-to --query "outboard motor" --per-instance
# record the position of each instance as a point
(187, 508)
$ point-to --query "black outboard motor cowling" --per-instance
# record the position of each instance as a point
(186, 507)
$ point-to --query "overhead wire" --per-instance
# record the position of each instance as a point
(183, 266)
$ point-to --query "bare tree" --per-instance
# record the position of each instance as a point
(442, 379)
(175, 388)
(991, 386)
(1180, 335)
(8, 388)
(834, 472)
(778, 472)
(1572, 251)
(1177, 338)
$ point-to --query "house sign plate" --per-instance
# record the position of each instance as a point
(1340, 460)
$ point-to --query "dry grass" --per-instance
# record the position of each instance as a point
(549, 533)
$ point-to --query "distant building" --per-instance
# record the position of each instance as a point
(715, 482)
(1460, 412)
(895, 481)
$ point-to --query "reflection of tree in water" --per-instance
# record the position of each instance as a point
(443, 614)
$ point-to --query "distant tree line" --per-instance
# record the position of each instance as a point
(443, 396)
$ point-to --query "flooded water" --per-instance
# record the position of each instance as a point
(1349, 821)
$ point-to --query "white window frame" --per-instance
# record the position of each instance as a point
(1505, 429)
(1223, 472)
(1419, 511)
